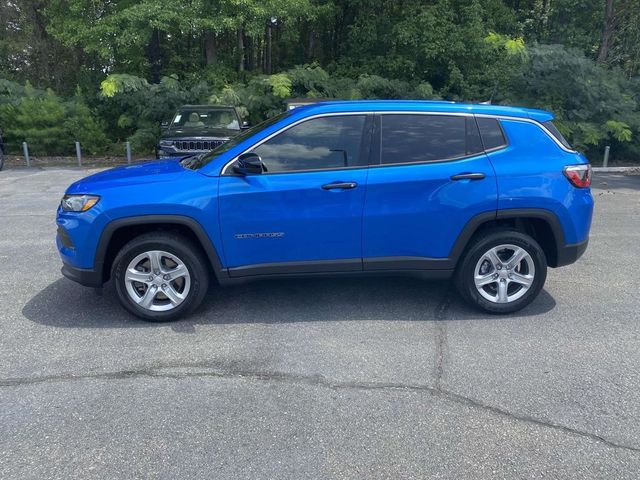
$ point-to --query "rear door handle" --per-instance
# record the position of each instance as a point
(468, 176)
(340, 186)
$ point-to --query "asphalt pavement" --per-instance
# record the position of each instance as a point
(321, 378)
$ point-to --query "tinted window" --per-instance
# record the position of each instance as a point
(491, 132)
(422, 138)
(556, 133)
(200, 160)
(321, 143)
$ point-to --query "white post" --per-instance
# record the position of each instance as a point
(25, 150)
(79, 154)
(605, 161)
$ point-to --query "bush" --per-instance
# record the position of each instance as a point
(594, 106)
(49, 124)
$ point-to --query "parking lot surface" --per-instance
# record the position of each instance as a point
(324, 378)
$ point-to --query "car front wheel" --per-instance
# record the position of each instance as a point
(502, 272)
(160, 276)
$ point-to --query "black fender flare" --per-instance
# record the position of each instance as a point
(510, 213)
(182, 220)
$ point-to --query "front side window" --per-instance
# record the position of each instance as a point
(422, 138)
(316, 144)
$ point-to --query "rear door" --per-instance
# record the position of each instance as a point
(432, 176)
(304, 214)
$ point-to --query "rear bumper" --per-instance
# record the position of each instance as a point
(570, 253)
(83, 276)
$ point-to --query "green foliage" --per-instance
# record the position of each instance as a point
(593, 105)
(619, 130)
(280, 85)
(83, 126)
(121, 83)
(138, 60)
(49, 124)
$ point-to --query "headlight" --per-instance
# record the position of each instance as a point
(166, 143)
(78, 203)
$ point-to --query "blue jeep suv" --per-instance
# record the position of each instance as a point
(488, 195)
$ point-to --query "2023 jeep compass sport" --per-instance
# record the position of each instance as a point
(488, 195)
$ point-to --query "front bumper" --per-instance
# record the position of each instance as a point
(83, 276)
(569, 254)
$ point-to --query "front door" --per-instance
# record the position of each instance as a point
(303, 214)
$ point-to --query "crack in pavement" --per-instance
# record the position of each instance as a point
(440, 314)
(214, 371)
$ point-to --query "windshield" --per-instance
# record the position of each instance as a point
(199, 161)
(205, 119)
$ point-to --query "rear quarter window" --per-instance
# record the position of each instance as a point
(556, 133)
(491, 133)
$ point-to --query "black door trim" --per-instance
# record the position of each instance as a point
(312, 266)
(405, 263)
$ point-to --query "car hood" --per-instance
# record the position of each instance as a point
(148, 172)
(198, 132)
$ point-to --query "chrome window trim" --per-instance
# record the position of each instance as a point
(427, 162)
(227, 165)
(529, 120)
(225, 169)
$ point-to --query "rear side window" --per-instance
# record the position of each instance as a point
(556, 133)
(491, 133)
(422, 138)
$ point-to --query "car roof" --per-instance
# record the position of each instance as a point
(423, 106)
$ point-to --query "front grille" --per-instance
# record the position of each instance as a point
(186, 145)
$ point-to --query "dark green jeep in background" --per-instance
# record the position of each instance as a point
(198, 128)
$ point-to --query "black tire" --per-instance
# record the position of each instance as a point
(176, 245)
(464, 277)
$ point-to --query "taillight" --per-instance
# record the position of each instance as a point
(578, 175)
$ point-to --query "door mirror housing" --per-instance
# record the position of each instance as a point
(165, 124)
(249, 163)
(245, 124)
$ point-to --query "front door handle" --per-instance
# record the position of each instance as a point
(340, 186)
(468, 176)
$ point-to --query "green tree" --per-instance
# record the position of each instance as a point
(593, 105)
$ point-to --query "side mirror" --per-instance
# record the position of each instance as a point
(245, 125)
(164, 123)
(249, 164)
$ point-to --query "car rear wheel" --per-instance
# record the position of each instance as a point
(160, 276)
(502, 272)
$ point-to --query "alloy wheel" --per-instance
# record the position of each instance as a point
(504, 273)
(157, 280)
